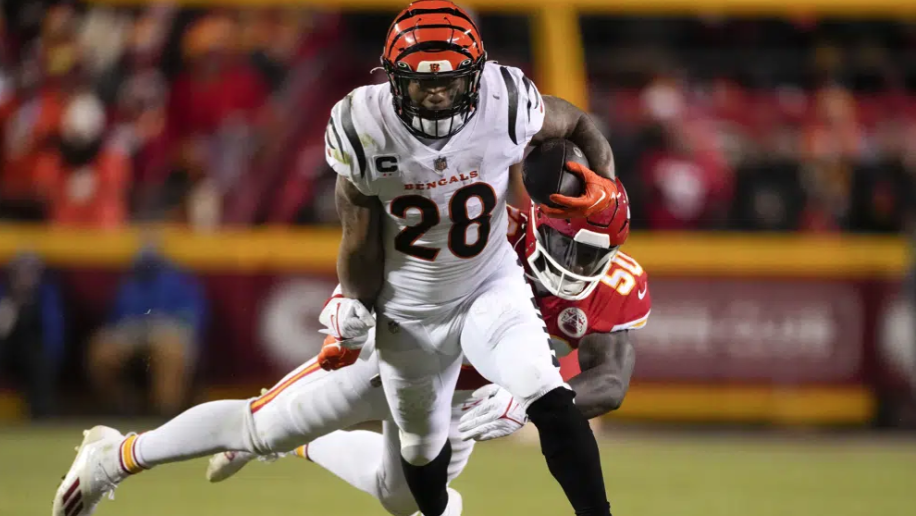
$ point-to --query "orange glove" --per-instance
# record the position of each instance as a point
(599, 193)
(333, 356)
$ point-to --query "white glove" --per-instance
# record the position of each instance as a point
(347, 320)
(491, 413)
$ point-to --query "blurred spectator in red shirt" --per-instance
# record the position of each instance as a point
(687, 190)
(30, 118)
(215, 108)
(85, 181)
(687, 180)
(833, 130)
(217, 88)
(272, 37)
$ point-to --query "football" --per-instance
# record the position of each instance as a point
(544, 172)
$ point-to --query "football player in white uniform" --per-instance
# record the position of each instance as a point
(590, 297)
(424, 168)
(423, 164)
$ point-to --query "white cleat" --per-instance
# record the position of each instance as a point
(88, 481)
(224, 465)
(455, 504)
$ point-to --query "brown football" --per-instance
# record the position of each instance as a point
(544, 171)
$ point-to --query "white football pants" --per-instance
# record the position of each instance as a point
(311, 402)
(498, 330)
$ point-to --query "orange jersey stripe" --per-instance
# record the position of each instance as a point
(259, 403)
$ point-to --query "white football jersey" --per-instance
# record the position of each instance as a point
(446, 215)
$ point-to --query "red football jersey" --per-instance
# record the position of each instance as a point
(620, 302)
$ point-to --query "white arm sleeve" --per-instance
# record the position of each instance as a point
(343, 150)
(530, 99)
(525, 108)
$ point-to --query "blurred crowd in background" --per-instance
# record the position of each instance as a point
(114, 115)
(213, 118)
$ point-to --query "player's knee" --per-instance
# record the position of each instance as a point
(420, 450)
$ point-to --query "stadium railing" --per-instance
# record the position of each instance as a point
(313, 250)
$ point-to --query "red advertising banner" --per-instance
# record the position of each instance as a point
(783, 332)
(700, 330)
(706, 337)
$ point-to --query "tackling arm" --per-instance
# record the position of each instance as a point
(606, 361)
(360, 262)
(564, 120)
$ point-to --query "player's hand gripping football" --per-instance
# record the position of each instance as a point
(347, 323)
(491, 412)
(599, 193)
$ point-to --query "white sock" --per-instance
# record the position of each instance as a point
(202, 430)
(353, 456)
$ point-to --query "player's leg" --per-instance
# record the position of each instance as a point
(306, 404)
(371, 462)
(419, 362)
(461, 449)
(506, 340)
(368, 461)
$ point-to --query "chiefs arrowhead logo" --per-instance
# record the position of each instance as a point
(573, 322)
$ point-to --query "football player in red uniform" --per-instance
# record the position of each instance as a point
(590, 296)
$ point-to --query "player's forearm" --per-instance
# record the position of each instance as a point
(598, 393)
(606, 361)
(564, 120)
(360, 260)
(360, 274)
(595, 146)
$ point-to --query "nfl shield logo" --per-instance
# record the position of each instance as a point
(434, 67)
(440, 164)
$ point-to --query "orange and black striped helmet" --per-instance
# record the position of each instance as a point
(435, 46)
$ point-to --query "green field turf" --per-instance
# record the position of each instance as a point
(648, 474)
